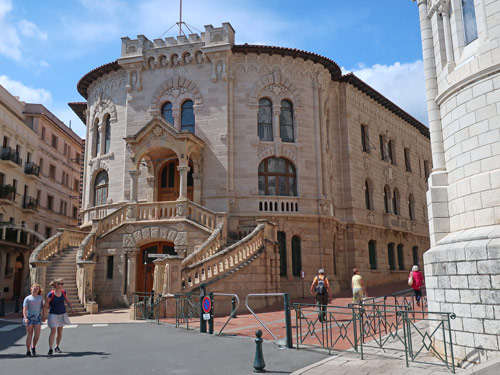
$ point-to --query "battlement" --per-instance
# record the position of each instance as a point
(214, 37)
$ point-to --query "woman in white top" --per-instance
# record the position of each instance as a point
(32, 318)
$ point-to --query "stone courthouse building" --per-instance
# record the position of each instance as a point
(461, 51)
(243, 165)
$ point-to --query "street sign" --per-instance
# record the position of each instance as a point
(206, 316)
(206, 304)
(157, 255)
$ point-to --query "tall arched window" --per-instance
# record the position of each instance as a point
(277, 177)
(411, 207)
(265, 120)
(97, 136)
(187, 116)
(395, 202)
(386, 199)
(469, 17)
(401, 257)
(390, 256)
(166, 113)
(101, 188)
(296, 256)
(282, 247)
(286, 121)
(414, 252)
(372, 254)
(107, 135)
(368, 196)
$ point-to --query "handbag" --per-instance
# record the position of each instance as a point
(410, 279)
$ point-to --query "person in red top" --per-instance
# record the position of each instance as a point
(418, 283)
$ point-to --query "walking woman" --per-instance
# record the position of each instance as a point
(57, 313)
(416, 280)
(358, 287)
(32, 318)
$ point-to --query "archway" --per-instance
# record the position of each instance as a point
(145, 266)
(169, 181)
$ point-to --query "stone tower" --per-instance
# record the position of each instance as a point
(460, 42)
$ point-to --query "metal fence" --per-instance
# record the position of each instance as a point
(187, 309)
(146, 307)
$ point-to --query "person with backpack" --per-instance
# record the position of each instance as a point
(358, 287)
(32, 318)
(320, 287)
(416, 281)
(57, 313)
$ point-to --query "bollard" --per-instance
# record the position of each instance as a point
(233, 306)
(288, 322)
(16, 305)
(258, 362)
(2, 307)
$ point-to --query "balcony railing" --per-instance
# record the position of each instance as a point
(32, 169)
(11, 155)
(30, 203)
(8, 192)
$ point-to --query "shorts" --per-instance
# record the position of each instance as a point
(33, 319)
(58, 320)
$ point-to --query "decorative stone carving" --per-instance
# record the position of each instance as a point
(181, 239)
(180, 209)
(171, 235)
(371, 217)
(130, 212)
(277, 89)
(128, 240)
(155, 232)
(157, 131)
(146, 233)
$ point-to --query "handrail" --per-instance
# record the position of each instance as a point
(233, 310)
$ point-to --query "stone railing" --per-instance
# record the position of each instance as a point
(202, 215)
(271, 204)
(210, 247)
(98, 212)
(111, 221)
(156, 210)
(223, 261)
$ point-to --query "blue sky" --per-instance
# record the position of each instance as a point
(47, 46)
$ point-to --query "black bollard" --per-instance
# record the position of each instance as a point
(233, 306)
(2, 307)
(258, 362)
(16, 305)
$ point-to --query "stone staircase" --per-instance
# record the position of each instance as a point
(64, 266)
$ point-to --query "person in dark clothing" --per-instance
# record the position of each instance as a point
(320, 287)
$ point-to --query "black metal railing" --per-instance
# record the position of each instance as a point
(147, 307)
(8, 153)
(187, 309)
(32, 168)
(8, 192)
(30, 203)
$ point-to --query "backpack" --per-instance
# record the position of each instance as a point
(52, 295)
(321, 287)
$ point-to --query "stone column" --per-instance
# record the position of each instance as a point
(134, 174)
(197, 187)
(183, 171)
(131, 269)
(276, 122)
(26, 268)
(38, 272)
(176, 114)
(102, 133)
(445, 11)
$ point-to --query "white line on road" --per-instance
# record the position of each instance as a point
(71, 326)
(100, 325)
(10, 327)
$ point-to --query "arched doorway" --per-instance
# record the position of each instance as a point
(169, 181)
(145, 265)
(18, 275)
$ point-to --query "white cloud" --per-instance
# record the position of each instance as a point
(26, 93)
(5, 7)
(402, 83)
(29, 29)
(9, 41)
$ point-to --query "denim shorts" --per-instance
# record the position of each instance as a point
(33, 319)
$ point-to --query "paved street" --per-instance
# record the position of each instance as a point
(144, 349)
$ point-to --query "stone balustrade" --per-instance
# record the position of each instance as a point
(156, 210)
(223, 261)
(210, 247)
(112, 220)
(201, 215)
(271, 204)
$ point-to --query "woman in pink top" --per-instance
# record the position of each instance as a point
(418, 283)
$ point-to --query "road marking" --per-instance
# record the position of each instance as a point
(44, 326)
(100, 325)
(10, 327)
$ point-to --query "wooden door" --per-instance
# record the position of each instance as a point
(169, 182)
(145, 265)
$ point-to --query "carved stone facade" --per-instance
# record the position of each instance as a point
(225, 83)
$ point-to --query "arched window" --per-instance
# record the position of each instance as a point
(401, 258)
(187, 116)
(101, 188)
(372, 254)
(296, 256)
(286, 121)
(97, 137)
(411, 207)
(282, 247)
(277, 177)
(414, 252)
(265, 120)
(390, 256)
(469, 17)
(368, 196)
(386, 199)
(166, 113)
(395, 202)
(107, 135)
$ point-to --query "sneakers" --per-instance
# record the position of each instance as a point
(33, 352)
(50, 352)
(28, 354)
(57, 350)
